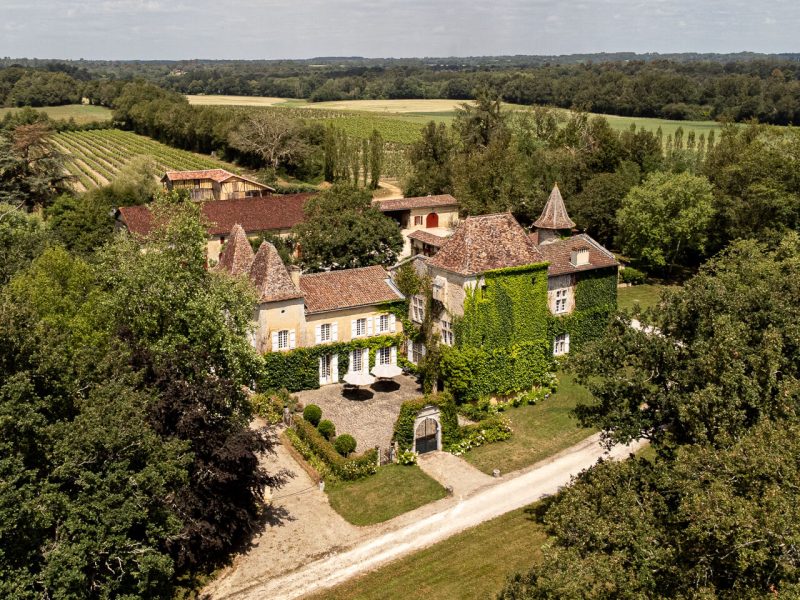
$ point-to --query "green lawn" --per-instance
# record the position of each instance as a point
(539, 431)
(645, 295)
(393, 490)
(81, 113)
(472, 564)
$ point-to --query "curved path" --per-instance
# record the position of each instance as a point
(508, 493)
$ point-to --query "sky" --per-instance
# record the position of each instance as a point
(269, 29)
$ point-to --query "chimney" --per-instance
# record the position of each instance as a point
(294, 273)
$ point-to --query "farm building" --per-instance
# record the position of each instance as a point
(342, 313)
(214, 184)
(434, 215)
(275, 215)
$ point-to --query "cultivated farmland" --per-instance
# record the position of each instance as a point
(95, 157)
(80, 113)
(400, 121)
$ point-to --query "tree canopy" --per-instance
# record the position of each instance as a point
(342, 230)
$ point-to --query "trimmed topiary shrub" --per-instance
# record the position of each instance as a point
(345, 444)
(312, 413)
(347, 469)
(327, 429)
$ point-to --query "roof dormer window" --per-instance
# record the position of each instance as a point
(579, 257)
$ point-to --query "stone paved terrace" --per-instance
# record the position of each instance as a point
(367, 414)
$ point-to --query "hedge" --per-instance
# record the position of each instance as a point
(344, 468)
(474, 373)
(448, 417)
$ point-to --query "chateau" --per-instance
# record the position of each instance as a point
(349, 317)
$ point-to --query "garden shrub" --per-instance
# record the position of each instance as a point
(345, 444)
(404, 426)
(312, 413)
(354, 467)
(268, 407)
(632, 276)
(319, 465)
(406, 457)
(493, 429)
(327, 429)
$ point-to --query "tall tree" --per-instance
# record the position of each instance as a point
(270, 135)
(665, 221)
(430, 159)
(342, 230)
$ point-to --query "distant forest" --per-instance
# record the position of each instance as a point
(734, 87)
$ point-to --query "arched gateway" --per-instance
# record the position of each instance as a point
(427, 431)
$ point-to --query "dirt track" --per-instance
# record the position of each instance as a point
(426, 526)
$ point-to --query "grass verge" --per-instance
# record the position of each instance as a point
(645, 295)
(472, 564)
(393, 490)
(540, 431)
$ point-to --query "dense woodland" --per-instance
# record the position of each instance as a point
(733, 87)
(125, 425)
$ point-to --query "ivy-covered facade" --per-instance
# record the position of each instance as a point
(514, 300)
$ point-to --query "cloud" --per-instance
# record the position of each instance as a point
(150, 29)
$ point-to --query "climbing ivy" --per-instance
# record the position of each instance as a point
(298, 369)
(510, 307)
(595, 302)
(502, 344)
(404, 426)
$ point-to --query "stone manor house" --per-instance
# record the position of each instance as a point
(318, 310)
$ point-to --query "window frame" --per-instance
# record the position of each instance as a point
(283, 334)
(446, 330)
(361, 327)
(322, 329)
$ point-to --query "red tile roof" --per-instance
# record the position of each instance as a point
(265, 213)
(214, 174)
(485, 243)
(269, 275)
(237, 255)
(428, 238)
(558, 254)
(554, 215)
(349, 288)
(218, 175)
(416, 202)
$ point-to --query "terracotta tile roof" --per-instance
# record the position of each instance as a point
(264, 213)
(485, 243)
(348, 288)
(218, 175)
(237, 255)
(558, 254)
(428, 238)
(269, 275)
(416, 202)
(214, 174)
(554, 215)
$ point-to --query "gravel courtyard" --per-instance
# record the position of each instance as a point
(367, 414)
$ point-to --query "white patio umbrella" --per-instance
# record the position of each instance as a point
(386, 371)
(358, 378)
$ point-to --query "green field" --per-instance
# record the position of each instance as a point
(401, 120)
(80, 113)
(539, 431)
(95, 157)
(393, 490)
(472, 564)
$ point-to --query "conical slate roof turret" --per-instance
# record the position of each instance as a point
(270, 276)
(554, 215)
(237, 256)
